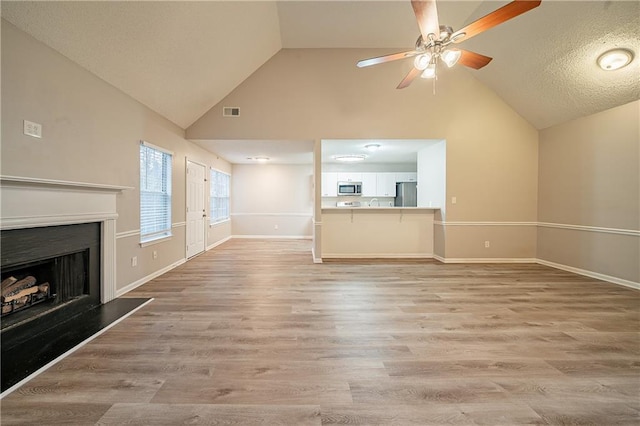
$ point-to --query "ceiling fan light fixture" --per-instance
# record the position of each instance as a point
(350, 158)
(457, 36)
(615, 59)
(451, 57)
(429, 72)
(421, 62)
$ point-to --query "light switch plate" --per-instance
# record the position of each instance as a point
(32, 129)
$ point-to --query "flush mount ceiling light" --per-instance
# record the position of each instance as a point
(259, 159)
(350, 158)
(615, 59)
(372, 147)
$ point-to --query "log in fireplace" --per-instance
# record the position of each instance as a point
(49, 274)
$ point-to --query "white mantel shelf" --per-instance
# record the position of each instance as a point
(29, 181)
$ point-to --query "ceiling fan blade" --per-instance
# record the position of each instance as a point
(473, 60)
(427, 15)
(496, 17)
(386, 58)
(409, 78)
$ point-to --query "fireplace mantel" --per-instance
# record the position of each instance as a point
(35, 202)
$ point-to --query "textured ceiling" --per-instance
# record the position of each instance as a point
(177, 58)
(181, 58)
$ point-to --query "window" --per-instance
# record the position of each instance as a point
(219, 196)
(155, 192)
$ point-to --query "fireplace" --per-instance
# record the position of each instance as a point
(49, 273)
(66, 212)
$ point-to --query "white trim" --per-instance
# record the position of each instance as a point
(486, 259)
(591, 274)
(220, 222)
(219, 171)
(134, 232)
(148, 278)
(72, 350)
(127, 234)
(273, 214)
(449, 223)
(619, 231)
(150, 145)
(19, 180)
(217, 243)
(274, 237)
(108, 261)
(54, 220)
(156, 240)
(313, 256)
(377, 256)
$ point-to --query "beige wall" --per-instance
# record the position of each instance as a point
(91, 133)
(320, 94)
(266, 196)
(589, 180)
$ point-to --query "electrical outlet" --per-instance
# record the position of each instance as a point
(486, 244)
(155, 254)
(454, 200)
(275, 226)
(32, 129)
(134, 261)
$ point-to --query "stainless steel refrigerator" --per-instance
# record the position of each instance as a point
(406, 194)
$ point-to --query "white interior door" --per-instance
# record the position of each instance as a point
(196, 213)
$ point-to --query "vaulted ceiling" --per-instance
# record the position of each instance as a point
(182, 58)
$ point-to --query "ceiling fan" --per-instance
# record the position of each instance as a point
(433, 43)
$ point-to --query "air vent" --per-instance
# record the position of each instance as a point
(230, 112)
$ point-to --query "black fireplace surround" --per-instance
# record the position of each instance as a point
(68, 258)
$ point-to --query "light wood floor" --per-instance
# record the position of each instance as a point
(253, 332)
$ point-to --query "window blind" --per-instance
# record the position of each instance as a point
(219, 196)
(155, 192)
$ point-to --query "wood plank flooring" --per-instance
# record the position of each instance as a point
(253, 332)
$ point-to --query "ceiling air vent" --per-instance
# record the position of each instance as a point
(230, 112)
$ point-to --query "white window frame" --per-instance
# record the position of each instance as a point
(164, 233)
(214, 219)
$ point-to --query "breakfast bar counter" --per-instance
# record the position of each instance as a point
(377, 232)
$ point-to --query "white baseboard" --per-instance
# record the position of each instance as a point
(591, 274)
(148, 278)
(485, 259)
(313, 256)
(584, 272)
(274, 237)
(376, 256)
(217, 243)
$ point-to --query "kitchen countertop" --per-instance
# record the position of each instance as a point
(379, 208)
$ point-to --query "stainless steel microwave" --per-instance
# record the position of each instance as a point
(349, 188)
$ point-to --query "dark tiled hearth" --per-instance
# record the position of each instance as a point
(20, 357)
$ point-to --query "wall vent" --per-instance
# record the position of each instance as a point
(230, 112)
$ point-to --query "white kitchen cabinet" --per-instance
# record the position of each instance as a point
(349, 177)
(329, 184)
(406, 177)
(386, 184)
(369, 184)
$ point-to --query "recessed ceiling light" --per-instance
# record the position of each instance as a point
(615, 59)
(350, 158)
(372, 146)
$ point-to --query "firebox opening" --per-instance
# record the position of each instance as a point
(51, 282)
